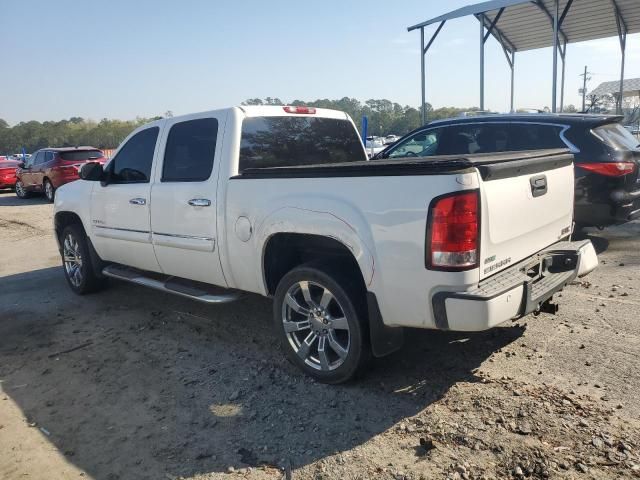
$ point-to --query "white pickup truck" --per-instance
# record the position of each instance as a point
(282, 202)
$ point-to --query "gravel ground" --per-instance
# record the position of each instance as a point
(133, 383)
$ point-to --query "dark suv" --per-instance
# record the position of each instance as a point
(50, 168)
(607, 156)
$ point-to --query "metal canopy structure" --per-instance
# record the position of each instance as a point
(521, 25)
(630, 88)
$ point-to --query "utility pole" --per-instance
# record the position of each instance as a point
(585, 79)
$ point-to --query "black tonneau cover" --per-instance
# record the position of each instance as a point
(492, 166)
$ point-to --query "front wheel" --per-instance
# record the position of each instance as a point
(78, 268)
(21, 191)
(320, 323)
(49, 191)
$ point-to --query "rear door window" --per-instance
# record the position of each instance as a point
(293, 141)
(529, 136)
(133, 162)
(458, 140)
(190, 150)
(499, 137)
(490, 138)
(39, 159)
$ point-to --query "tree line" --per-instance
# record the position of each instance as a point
(75, 131)
(385, 117)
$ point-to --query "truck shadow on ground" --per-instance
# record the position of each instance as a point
(9, 199)
(600, 243)
(160, 385)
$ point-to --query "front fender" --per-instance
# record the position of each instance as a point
(74, 197)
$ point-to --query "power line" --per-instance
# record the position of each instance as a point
(585, 78)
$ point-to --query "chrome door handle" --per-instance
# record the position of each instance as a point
(138, 201)
(200, 202)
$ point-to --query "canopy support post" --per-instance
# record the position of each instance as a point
(563, 55)
(423, 113)
(554, 95)
(513, 66)
(556, 22)
(482, 41)
(507, 47)
(423, 52)
(622, 36)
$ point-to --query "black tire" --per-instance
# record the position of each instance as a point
(349, 298)
(21, 192)
(49, 190)
(88, 280)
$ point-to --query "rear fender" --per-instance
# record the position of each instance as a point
(323, 217)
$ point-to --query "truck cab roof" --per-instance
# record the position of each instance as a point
(269, 111)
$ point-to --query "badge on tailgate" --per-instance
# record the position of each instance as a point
(495, 266)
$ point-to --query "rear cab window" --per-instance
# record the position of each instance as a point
(295, 141)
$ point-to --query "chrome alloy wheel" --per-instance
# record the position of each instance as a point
(315, 326)
(20, 189)
(72, 259)
(48, 190)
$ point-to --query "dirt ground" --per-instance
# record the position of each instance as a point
(135, 384)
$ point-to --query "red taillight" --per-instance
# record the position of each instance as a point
(453, 232)
(303, 110)
(609, 169)
(66, 169)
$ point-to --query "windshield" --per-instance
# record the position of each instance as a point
(617, 137)
(81, 155)
(419, 145)
(375, 142)
(293, 141)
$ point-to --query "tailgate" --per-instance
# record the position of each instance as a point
(526, 205)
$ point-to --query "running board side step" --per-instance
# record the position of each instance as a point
(199, 291)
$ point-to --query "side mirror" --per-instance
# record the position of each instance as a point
(22, 165)
(92, 172)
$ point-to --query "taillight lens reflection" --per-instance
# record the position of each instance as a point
(609, 169)
(453, 232)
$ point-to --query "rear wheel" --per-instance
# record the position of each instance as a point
(49, 191)
(320, 323)
(21, 191)
(76, 260)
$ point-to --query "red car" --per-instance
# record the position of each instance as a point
(8, 172)
(49, 168)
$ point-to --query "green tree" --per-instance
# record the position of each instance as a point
(385, 117)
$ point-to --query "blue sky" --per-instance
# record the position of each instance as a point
(122, 59)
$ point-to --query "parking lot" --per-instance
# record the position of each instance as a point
(133, 383)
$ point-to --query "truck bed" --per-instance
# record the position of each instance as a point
(492, 166)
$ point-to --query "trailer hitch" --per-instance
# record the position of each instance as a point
(547, 307)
